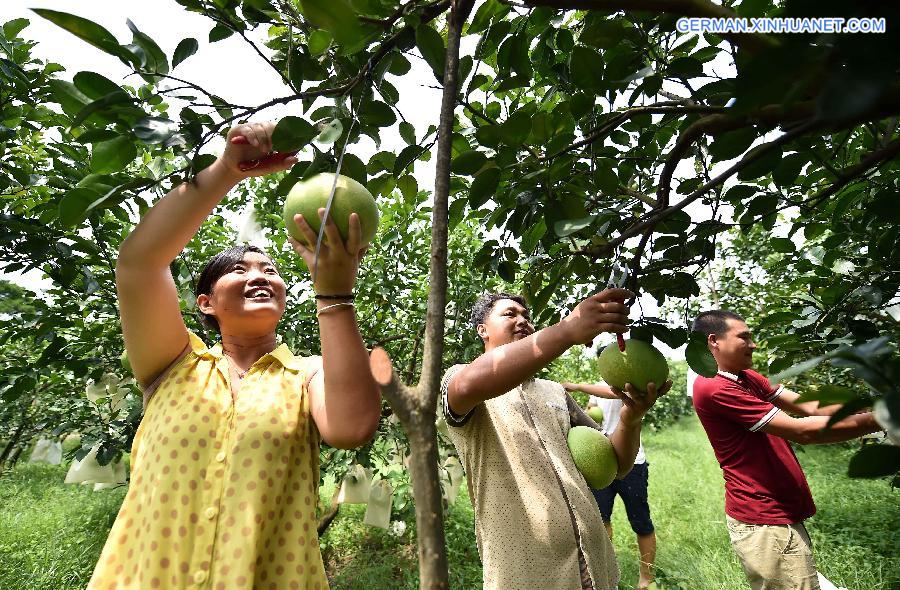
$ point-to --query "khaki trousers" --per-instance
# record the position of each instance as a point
(774, 557)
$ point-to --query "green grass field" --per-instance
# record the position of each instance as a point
(51, 534)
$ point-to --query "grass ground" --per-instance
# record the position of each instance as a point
(51, 534)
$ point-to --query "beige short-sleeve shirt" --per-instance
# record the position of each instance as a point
(527, 492)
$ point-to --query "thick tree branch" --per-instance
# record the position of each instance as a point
(609, 126)
(647, 224)
(769, 116)
(437, 293)
(399, 396)
(851, 173)
(751, 42)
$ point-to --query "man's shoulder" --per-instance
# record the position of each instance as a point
(451, 371)
(710, 391)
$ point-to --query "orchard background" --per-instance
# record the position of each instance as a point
(753, 172)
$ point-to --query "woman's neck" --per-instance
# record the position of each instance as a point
(243, 350)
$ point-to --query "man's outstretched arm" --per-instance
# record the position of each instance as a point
(811, 430)
(499, 370)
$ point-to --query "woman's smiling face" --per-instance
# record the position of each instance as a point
(251, 290)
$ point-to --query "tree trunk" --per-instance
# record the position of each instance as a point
(416, 407)
(426, 485)
(9, 456)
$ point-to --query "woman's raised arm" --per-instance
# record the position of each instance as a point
(154, 331)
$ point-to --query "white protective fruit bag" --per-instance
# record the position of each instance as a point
(89, 471)
(46, 451)
(452, 477)
(355, 486)
(381, 499)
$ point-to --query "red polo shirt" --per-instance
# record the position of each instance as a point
(764, 483)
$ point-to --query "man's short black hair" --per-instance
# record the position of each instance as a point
(217, 266)
(485, 303)
(714, 321)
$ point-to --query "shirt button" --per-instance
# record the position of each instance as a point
(220, 457)
(211, 512)
(199, 577)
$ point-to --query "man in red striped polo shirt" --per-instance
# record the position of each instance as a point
(749, 423)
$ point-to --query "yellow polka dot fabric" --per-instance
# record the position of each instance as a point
(223, 493)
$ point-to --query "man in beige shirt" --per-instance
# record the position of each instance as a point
(536, 521)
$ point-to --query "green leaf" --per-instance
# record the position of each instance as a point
(566, 227)
(292, 133)
(330, 133)
(603, 34)
(641, 333)
(186, 48)
(672, 337)
(219, 32)
(319, 41)
(512, 82)
(698, 356)
(113, 155)
(485, 14)
(732, 144)
(112, 99)
(338, 18)
(15, 26)
(154, 57)
(377, 113)
(507, 271)
(90, 32)
(155, 130)
(514, 131)
(353, 167)
(828, 394)
(763, 165)
(406, 157)
(787, 171)
(408, 186)
(586, 68)
(797, 369)
(95, 86)
(74, 205)
(201, 162)
(468, 163)
(875, 461)
(407, 132)
(782, 245)
(483, 187)
(68, 96)
(685, 67)
(431, 46)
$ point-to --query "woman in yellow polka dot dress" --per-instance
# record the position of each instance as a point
(225, 467)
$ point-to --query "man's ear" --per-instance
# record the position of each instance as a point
(482, 331)
(712, 341)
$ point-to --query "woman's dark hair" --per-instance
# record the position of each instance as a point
(714, 321)
(218, 265)
(485, 303)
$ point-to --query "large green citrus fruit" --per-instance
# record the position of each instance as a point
(641, 363)
(596, 414)
(593, 455)
(308, 196)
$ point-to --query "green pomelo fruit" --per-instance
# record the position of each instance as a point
(596, 414)
(308, 196)
(593, 455)
(639, 365)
